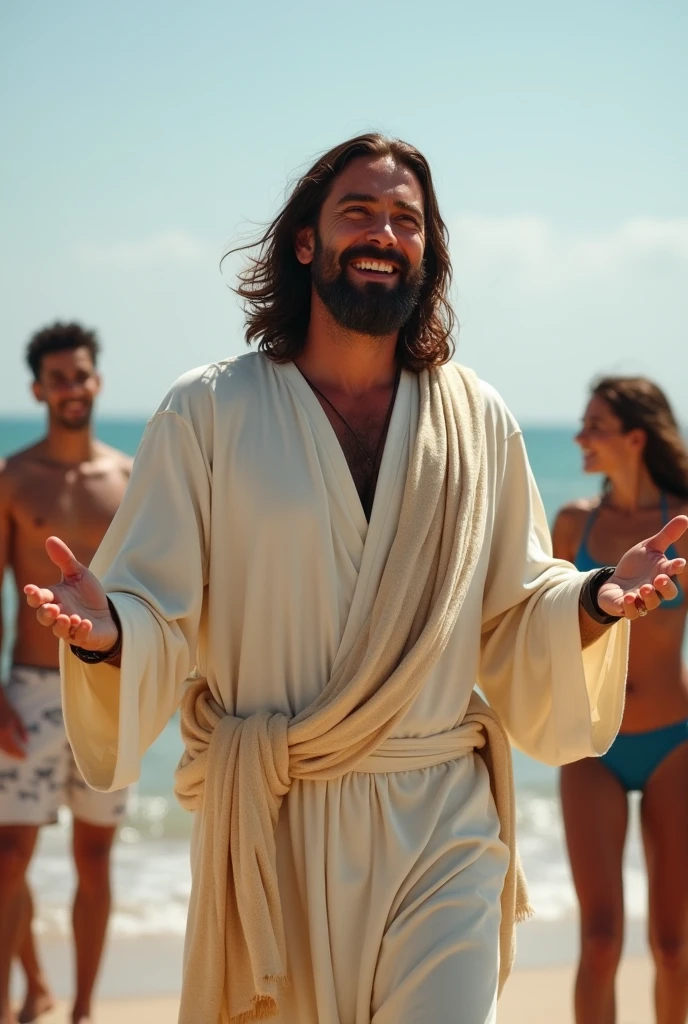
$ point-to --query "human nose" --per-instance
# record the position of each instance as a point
(382, 231)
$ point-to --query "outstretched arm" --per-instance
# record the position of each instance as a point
(558, 690)
(152, 565)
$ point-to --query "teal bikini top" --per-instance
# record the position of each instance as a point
(585, 563)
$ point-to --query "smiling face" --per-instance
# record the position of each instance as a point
(366, 252)
(68, 384)
(606, 447)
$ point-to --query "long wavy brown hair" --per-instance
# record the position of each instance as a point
(639, 403)
(276, 288)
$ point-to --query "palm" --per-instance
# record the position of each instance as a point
(644, 573)
(83, 597)
(77, 607)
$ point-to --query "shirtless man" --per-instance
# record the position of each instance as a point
(67, 482)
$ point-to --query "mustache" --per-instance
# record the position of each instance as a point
(370, 252)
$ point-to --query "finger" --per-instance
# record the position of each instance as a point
(675, 567)
(82, 633)
(666, 587)
(62, 627)
(669, 534)
(35, 596)
(650, 597)
(630, 608)
(63, 557)
(74, 623)
(47, 614)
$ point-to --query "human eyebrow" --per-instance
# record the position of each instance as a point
(411, 207)
(364, 197)
(356, 197)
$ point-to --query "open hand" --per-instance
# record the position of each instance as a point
(642, 577)
(76, 609)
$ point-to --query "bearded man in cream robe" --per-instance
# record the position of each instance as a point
(337, 537)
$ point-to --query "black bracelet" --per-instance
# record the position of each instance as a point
(589, 592)
(98, 657)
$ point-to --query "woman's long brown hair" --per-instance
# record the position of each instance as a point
(639, 403)
(276, 288)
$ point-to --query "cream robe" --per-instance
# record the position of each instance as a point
(241, 548)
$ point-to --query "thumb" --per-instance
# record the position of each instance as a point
(669, 534)
(63, 558)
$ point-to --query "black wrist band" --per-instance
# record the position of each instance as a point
(589, 592)
(97, 657)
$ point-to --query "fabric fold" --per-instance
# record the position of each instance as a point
(427, 574)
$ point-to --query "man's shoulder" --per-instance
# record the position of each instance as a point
(577, 511)
(498, 416)
(119, 461)
(15, 466)
(500, 423)
(222, 391)
(213, 382)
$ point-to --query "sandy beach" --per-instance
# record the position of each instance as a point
(544, 995)
(115, 1011)
(533, 996)
(139, 983)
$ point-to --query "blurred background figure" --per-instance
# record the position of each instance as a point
(67, 481)
(630, 435)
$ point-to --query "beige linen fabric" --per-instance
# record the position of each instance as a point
(239, 770)
(241, 549)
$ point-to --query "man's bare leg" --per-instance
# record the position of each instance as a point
(92, 845)
(39, 998)
(17, 844)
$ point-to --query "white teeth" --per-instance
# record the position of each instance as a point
(381, 268)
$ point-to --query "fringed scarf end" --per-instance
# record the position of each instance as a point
(262, 1007)
(524, 913)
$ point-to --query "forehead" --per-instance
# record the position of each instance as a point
(67, 361)
(381, 177)
(598, 409)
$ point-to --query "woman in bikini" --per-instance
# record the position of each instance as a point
(629, 434)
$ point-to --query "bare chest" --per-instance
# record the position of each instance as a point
(361, 434)
(612, 534)
(76, 506)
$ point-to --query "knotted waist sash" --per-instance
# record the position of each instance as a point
(238, 771)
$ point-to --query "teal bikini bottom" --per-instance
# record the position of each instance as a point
(634, 756)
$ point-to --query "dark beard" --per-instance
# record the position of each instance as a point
(373, 309)
(66, 424)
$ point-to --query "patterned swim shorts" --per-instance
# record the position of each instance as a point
(32, 790)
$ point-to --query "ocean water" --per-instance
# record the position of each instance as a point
(151, 859)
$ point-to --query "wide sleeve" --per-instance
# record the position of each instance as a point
(557, 702)
(153, 563)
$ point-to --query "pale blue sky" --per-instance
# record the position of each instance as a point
(143, 136)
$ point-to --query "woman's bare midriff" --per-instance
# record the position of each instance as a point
(657, 687)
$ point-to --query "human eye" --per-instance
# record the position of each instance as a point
(356, 212)
(409, 219)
